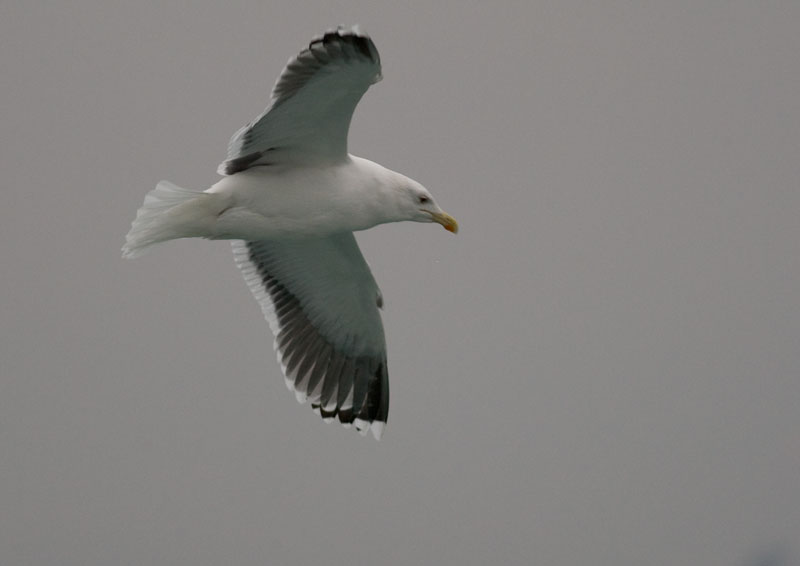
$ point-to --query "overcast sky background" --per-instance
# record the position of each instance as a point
(602, 368)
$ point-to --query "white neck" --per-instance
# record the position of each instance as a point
(380, 193)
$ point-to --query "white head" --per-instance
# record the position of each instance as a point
(415, 203)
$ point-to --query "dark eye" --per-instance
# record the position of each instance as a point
(423, 199)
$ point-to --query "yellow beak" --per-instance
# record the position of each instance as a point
(445, 220)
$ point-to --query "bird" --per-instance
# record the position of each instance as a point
(290, 197)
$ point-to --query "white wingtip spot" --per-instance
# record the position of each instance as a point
(377, 429)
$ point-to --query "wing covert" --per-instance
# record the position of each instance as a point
(311, 104)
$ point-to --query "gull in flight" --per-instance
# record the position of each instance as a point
(290, 198)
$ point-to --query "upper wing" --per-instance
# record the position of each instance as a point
(311, 104)
(322, 303)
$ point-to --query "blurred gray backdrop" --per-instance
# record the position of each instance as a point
(602, 368)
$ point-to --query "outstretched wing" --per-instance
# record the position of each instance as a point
(322, 303)
(311, 104)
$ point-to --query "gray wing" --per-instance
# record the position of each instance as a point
(322, 304)
(311, 104)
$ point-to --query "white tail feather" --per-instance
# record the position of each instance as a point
(168, 212)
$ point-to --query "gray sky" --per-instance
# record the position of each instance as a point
(602, 368)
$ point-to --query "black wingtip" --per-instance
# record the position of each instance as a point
(352, 36)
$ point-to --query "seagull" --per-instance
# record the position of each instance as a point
(290, 198)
